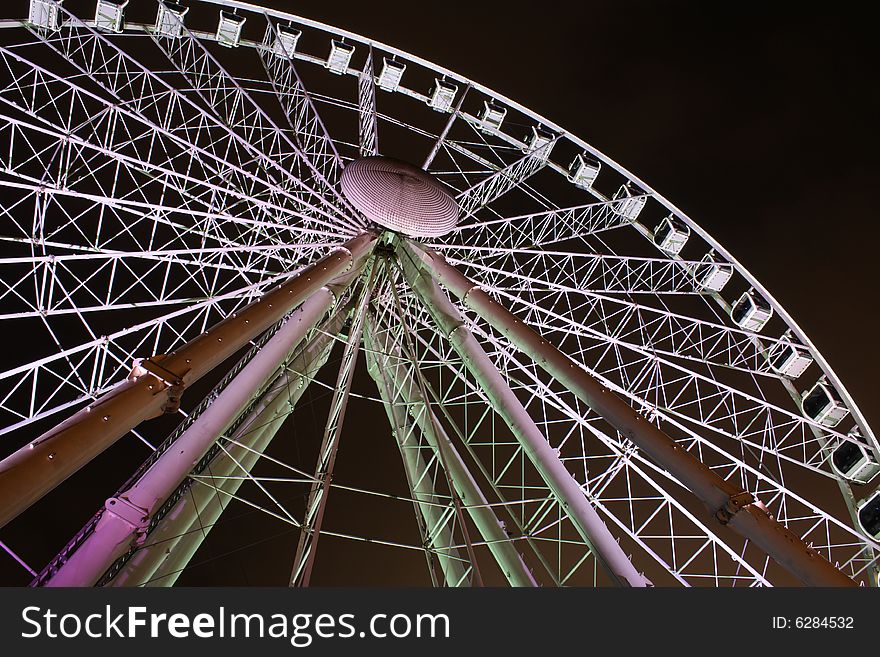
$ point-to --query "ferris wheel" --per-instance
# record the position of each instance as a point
(215, 213)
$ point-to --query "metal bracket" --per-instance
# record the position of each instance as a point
(175, 384)
(733, 506)
(132, 515)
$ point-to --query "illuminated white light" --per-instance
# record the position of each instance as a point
(109, 15)
(583, 171)
(169, 20)
(45, 13)
(399, 196)
(229, 29)
(340, 57)
(442, 96)
(671, 234)
(392, 72)
(285, 42)
(491, 117)
(629, 202)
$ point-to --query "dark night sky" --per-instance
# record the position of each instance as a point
(756, 120)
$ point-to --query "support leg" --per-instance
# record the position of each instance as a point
(430, 507)
(406, 391)
(172, 544)
(304, 558)
(155, 385)
(127, 516)
(725, 501)
(566, 490)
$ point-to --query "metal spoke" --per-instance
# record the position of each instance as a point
(306, 550)
(368, 123)
(597, 372)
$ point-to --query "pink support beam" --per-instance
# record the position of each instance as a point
(155, 385)
(127, 516)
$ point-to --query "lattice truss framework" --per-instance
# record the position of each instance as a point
(153, 186)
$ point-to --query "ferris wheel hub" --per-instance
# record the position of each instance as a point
(399, 196)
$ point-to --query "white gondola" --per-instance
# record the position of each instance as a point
(110, 15)
(854, 460)
(169, 19)
(442, 96)
(583, 171)
(629, 202)
(789, 359)
(822, 404)
(285, 41)
(751, 311)
(712, 275)
(339, 57)
(391, 75)
(539, 143)
(229, 29)
(45, 14)
(491, 117)
(671, 235)
(869, 515)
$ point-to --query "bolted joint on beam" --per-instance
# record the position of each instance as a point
(119, 508)
(173, 384)
(734, 505)
(35, 469)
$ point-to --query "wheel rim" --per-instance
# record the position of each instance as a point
(573, 263)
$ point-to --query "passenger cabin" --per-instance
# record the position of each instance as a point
(169, 19)
(391, 75)
(671, 235)
(583, 171)
(110, 15)
(45, 14)
(822, 404)
(442, 96)
(751, 312)
(229, 29)
(854, 460)
(869, 515)
(491, 117)
(539, 143)
(629, 201)
(712, 275)
(789, 359)
(285, 42)
(339, 57)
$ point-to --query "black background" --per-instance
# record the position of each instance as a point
(756, 119)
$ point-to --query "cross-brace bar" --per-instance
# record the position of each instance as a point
(406, 389)
(175, 540)
(155, 386)
(536, 447)
(727, 503)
